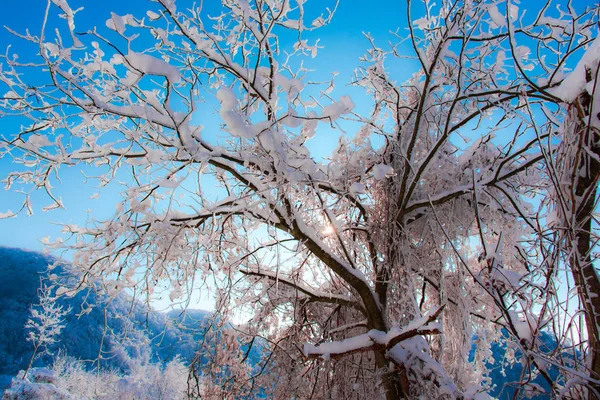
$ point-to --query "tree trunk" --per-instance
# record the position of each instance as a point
(390, 379)
(586, 172)
(584, 273)
(31, 360)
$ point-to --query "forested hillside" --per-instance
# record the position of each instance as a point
(131, 334)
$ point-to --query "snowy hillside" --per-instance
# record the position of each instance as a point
(131, 334)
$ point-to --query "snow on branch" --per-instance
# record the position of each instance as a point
(377, 339)
(577, 82)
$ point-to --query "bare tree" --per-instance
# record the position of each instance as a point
(373, 270)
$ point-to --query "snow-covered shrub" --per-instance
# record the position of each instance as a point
(35, 384)
(69, 380)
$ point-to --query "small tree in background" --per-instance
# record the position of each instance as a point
(372, 270)
(44, 324)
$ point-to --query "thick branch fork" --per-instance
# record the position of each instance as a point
(375, 339)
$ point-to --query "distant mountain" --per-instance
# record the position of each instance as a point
(131, 331)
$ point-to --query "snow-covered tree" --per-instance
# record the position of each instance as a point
(574, 175)
(366, 275)
(46, 321)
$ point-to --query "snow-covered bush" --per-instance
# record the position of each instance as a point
(35, 384)
(69, 380)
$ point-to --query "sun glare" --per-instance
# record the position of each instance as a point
(328, 231)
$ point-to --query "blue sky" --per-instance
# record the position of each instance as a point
(343, 43)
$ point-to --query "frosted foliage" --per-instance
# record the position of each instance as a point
(46, 320)
(37, 384)
(365, 274)
(69, 380)
(45, 323)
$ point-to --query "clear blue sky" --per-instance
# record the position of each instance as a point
(343, 43)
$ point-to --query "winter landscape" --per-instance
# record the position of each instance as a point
(292, 199)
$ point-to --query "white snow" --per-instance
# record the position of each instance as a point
(382, 171)
(69, 15)
(309, 127)
(152, 15)
(337, 109)
(422, 23)
(153, 66)
(234, 122)
(521, 326)
(117, 22)
(357, 187)
(8, 214)
(345, 346)
(575, 82)
(498, 19)
(227, 98)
